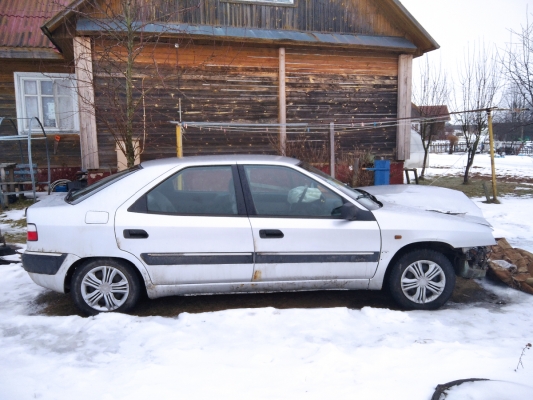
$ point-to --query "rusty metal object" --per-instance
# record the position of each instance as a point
(517, 269)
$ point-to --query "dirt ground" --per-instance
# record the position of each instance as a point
(466, 292)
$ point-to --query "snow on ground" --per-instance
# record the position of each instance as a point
(256, 353)
(272, 354)
(512, 219)
(10, 215)
(454, 164)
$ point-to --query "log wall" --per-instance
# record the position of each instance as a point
(237, 83)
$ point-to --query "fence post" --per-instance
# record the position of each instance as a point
(332, 149)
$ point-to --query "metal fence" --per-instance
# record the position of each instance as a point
(509, 148)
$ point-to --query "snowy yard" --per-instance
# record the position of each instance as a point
(267, 353)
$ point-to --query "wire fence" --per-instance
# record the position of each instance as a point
(500, 147)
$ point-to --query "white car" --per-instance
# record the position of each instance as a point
(233, 224)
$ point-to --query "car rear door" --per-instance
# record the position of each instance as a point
(191, 228)
(298, 232)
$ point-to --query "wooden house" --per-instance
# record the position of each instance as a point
(303, 64)
(31, 73)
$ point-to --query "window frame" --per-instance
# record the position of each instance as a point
(20, 78)
(141, 204)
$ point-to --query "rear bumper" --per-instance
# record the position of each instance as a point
(43, 263)
(48, 269)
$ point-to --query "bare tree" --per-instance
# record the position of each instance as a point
(478, 86)
(430, 94)
(515, 116)
(124, 32)
(517, 62)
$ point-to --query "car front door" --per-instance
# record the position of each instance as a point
(298, 231)
(191, 228)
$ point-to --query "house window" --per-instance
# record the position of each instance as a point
(49, 97)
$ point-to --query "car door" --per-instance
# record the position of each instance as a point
(298, 231)
(191, 228)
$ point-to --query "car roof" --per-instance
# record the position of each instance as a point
(231, 158)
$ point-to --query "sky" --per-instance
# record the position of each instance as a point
(456, 24)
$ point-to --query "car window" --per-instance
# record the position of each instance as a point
(75, 197)
(282, 191)
(362, 197)
(195, 191)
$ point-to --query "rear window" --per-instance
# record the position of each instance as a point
(79, 195)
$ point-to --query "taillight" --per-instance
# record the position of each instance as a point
(32, 233)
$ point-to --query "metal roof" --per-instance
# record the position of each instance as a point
(21, 20)
(85, 26)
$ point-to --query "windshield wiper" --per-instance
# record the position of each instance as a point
(367, 196)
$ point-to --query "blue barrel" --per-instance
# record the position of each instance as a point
(381, 172)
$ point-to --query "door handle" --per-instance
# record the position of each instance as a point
(271, 234)
(135, 234)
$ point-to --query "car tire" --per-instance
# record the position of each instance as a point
(105, 285)
(422, 280)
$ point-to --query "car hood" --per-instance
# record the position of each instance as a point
(431, 199)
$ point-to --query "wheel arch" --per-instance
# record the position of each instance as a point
(444, 248)
(83, 261)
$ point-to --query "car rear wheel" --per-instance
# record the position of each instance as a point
(422, 280)
(105, 285)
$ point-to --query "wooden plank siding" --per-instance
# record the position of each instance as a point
(345, 88)
(340, 16)
(69, 147)
(238, 83)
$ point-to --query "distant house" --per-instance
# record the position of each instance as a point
(509, 131)
(234, 61)
(435, 117)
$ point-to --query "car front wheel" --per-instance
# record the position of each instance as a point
(422, 280)
(105, 285)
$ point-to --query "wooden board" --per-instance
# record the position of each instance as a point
(240, 84)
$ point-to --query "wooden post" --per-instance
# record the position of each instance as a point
(282, 103)
(332, 149)
(492, 164)
(179, 141)
(403, 132)
(84, 78)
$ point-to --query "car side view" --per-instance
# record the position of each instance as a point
(233, 224)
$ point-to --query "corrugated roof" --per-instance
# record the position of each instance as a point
(21, 21)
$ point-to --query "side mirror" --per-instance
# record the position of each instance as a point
(348, 211)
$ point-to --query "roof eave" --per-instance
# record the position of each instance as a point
(281, 37)
(36, 53)
(55, 22)
(427, 43)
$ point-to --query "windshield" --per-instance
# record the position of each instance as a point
(75, 197)
(362, 197)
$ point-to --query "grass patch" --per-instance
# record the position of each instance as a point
(475, 187)
(20, 204)
(16, 237)
(20, 225)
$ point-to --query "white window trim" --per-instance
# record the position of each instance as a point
(19, 77)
